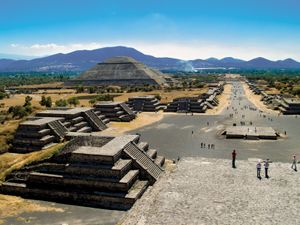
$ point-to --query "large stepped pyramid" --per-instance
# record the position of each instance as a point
(121, 71)
(92, 170)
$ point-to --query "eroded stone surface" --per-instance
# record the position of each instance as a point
(209, 191)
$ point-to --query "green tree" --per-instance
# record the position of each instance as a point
(73, 101)
(92, 89)
(43, 101)
(61, 103)
(27, 101)
(48, 102)
(79, 89)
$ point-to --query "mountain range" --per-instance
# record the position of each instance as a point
(84, 59)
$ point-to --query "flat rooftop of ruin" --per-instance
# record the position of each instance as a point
(108, 103)
(64, 111)
(143, 97)
(37, 121)
(111, 148)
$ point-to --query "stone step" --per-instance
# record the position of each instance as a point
(118, 170)
(110, 200)
(160, 160)
(77, 119)
(152, 153)
(143, 145)
(143, 162)
(46, 180)
(81, 124)
(85, 129)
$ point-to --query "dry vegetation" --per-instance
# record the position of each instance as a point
(166, 96)
(7, 131)
(10, 162)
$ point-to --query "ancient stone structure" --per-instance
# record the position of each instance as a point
(254, 88)
(121, 71)
(78, 119)
(38, 133)
(51, 126)
(290, 106)
(251, 132)
(198, 104)
(188, 104)
(144, 103)
(91, 170)
(115, 111)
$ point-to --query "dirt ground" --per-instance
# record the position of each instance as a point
(11, 205)
(14, 206)
(256, 100)
(166, 97)
(7, 131)
(143, 119)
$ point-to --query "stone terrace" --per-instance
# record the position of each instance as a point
(209, 191)
(91, 170)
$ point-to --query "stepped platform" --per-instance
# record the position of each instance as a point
(92, 170)
(115, 111)
(147, 103)
(75, 116)
(38, 133)
(250, 132)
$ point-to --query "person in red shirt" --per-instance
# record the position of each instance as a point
(233, 158)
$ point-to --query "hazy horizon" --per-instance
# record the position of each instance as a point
(189, 30)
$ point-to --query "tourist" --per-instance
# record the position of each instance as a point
(208, 146)
(258, 169)
(266, 164)
(294, 163)
(233, 158)
(201, 145)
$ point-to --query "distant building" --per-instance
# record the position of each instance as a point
(120, 71)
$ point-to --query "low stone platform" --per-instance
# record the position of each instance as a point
(91, 170)
(209, 191)
(251, 132)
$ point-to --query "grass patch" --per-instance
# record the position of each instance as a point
(10, 162)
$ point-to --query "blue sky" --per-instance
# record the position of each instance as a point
(186, 29)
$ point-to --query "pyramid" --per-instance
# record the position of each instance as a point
(121, 71)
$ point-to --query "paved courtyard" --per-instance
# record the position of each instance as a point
(209, 191)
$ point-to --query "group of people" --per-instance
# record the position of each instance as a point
(209, 146)
(266, 165)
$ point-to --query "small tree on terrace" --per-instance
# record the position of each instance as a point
(73, 101)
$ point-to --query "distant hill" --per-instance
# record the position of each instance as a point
(85, 59)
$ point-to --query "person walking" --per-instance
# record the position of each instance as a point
(294, 163)
(266, 164)
(233, 158)
(258, 169)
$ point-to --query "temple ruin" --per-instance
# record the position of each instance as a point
(50, 126)
(147, 103)
(115, 111)
(198, 104)
(91, 170)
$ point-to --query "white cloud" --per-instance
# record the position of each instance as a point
(181, 50)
